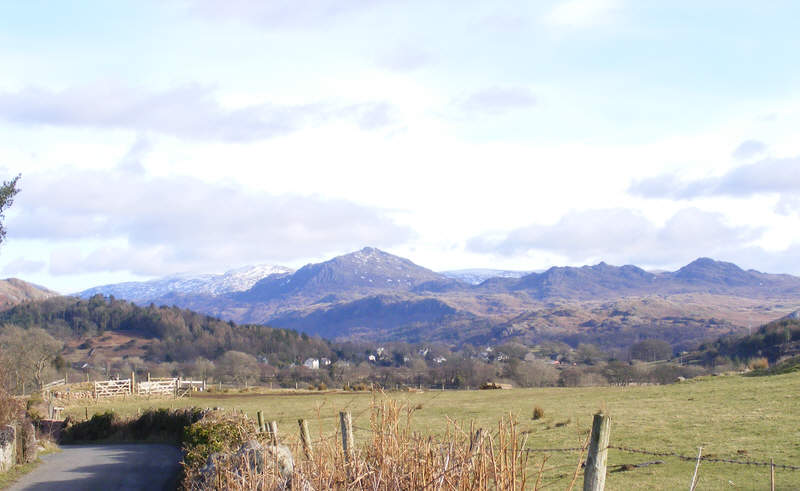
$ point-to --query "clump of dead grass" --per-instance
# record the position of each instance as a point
(394, 457)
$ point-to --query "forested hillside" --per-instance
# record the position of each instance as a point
(777, 339)
(174, 334)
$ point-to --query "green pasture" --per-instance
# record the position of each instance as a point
(731, 417)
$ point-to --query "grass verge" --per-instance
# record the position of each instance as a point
(15, 473)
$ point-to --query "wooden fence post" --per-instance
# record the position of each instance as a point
(273, 432)
(133, 383)
(260, 416)
(594, 478)
(771, 474)
(346, 421)
(696, 468)
(305, 438)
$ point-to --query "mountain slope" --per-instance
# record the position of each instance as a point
(366, 271)
(235, 280)
(370, 317)
(588, 282)
(727, 278)
(14, 291)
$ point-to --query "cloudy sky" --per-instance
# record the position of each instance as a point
(156, 137)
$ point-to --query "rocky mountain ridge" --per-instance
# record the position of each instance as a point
(374, 295)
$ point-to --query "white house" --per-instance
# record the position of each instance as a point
(312, 363)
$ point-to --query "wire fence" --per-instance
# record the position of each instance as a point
(687, 458)
(704, 459)
(654, 453)
(587, 459)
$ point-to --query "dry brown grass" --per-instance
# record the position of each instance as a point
(758, 363)
(397, 458)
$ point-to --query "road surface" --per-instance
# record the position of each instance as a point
(121, 467)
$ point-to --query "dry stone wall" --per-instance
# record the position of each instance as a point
(8, 447)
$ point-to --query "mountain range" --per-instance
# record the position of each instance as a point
(374, 295)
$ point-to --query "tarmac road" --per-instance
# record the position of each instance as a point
(124, 467)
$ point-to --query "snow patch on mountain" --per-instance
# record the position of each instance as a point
(478, 276)
(235, 280)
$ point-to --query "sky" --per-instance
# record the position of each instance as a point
(198, 136)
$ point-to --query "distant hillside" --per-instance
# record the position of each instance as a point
(603, 281)
(773, 340)
(600, 281)
(163, 333)
(684, 321)
(144, 292)
(478, 276)
(376, 317)
(14, 291)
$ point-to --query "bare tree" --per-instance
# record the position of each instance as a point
(240, 367)
(28, 353)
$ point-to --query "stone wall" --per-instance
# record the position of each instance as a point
(8, 447)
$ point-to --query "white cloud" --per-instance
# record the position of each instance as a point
(788, 204)
(22, 265)
(764, 176)
(405, 58)
(160, 225)
(581, 13)
(498, 100)
(279, 13)
(190, 112)
(749, 149)
(624, 236)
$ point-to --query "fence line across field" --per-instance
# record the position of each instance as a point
(112, 388)
(595, 464)
(157, 387)
(705, 459)
(175, 387)
(54, 383)
(713, 460)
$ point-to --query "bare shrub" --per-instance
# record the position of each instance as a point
(11, 409)
(758, 364)
(394, 458)
(538, 412)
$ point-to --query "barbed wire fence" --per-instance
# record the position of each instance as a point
(653, 453)
(597, 444)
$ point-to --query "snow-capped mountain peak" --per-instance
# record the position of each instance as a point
(235, 280)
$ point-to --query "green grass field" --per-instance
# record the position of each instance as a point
(731, 417)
